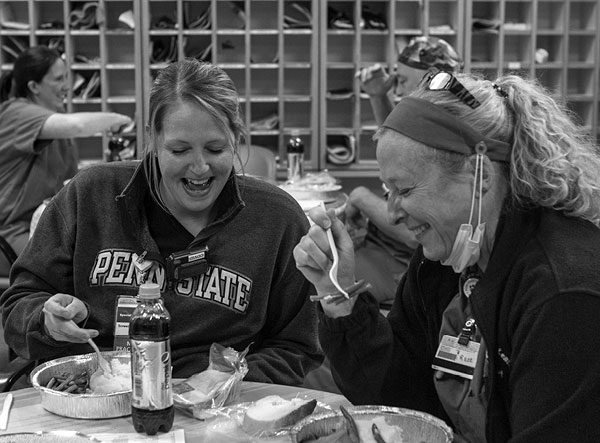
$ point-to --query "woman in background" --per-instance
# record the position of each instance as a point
(116, 225)
(36, 155)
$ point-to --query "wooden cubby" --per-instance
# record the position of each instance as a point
(555, 41)
(301, 79)
(275, 68)
(106, 51)
(350, 119)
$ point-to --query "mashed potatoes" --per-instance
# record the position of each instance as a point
(117, 380)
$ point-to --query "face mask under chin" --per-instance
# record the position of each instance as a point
(467, 244)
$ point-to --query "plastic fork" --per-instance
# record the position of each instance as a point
(104, 365)
(336, 260)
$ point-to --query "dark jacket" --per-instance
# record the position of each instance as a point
(85, 243)
(537, 306)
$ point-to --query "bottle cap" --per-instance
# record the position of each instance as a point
(149, 290)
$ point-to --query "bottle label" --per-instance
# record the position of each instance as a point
(151, 374)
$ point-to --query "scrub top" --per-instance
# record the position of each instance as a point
(31, 170)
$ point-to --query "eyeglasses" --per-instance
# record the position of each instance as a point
(444, 81)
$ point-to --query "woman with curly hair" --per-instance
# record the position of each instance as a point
(494, 326)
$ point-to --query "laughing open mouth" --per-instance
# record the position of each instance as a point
(197, 185)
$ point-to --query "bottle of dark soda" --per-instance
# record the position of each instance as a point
(295, 158)
(152, 395)
(116, 145)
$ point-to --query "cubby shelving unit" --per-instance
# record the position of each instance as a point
(348, 119)
(274, 67)
(104, 50)
(300, 79)
(555, 41)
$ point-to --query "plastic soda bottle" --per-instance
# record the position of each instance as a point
(152, 396)
(295, 158)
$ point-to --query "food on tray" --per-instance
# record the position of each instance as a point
(389, 433)
(366, 430)
(117, 380)
(74, 383)
(273, 412)
(321, 181)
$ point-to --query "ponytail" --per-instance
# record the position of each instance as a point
(6, 85)
(554, 163)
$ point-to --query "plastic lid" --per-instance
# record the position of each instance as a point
(149, 290)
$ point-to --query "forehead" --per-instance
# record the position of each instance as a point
(185, 116)
(57, 69)
(401, 157)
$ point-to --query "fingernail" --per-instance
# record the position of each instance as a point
(327, 224)
(94, 334)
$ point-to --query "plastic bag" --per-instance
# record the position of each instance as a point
(227, 425)
(214, 387)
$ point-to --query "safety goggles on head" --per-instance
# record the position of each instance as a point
(445, 81)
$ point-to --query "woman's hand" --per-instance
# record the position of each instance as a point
(61, 313)
(314, 258)
(355, 218)
(374, 80)
(122, 122)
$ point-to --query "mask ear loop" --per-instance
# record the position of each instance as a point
(477, 168)
(480, 156)
(480, 149)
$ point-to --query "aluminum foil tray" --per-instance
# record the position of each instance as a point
(47, 437)
(416, 426)
(89, 406)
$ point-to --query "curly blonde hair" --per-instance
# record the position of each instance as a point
(554, 163)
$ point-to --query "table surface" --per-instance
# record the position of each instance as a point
(27, 414)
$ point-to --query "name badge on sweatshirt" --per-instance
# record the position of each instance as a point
(125, 306)
(455, 358)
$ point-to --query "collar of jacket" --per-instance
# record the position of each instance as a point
(228, 205)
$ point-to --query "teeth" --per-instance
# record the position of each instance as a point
(197, 182)
(420, 229)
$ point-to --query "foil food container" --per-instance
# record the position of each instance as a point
(416, 426)
(88, 406)
(47, 437)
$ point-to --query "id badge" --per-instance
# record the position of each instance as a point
(453, 358)
(125, 306)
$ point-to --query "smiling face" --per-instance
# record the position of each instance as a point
(195, 158)
(432, 205)
(51, 91)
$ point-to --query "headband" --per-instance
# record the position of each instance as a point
(430, 124)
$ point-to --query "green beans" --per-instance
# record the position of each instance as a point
(73, 383)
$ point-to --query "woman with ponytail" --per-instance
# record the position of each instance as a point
(36, 155)
(494, 326)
